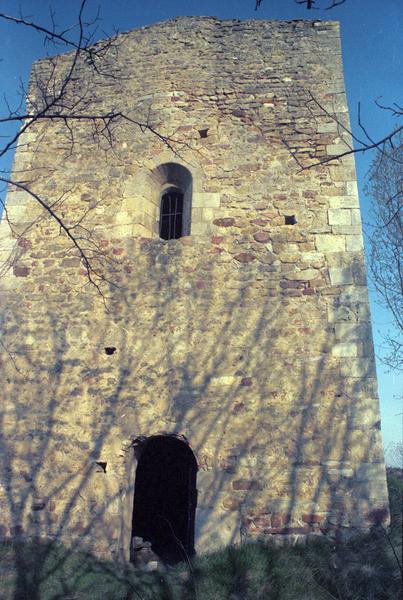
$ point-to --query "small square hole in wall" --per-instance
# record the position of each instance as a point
(109, 350)
(290, 220)
(203, 133)
(101, 466)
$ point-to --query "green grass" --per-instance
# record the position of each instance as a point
(364, 568)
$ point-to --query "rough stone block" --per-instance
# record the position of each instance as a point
(21, 270)
(352, 188)
(206, 200)
(343, 202)
(336, 149)
(339, 216)
(352, 331)
(345, 350)
(224, 222)
(341, 275)
(347, 229)
(328, 242)
(200, 228)
(305, 275)
(261, 236)
(341, 313)
(357, 294)
(356, 216)
(330, 127)
(354, 243)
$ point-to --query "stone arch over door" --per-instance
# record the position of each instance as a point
(165, 496)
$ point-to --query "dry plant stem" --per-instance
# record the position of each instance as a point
(393, 550)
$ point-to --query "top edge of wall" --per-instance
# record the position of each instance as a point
(239, 24)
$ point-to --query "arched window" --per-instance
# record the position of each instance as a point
(175, 200)
(171, 214)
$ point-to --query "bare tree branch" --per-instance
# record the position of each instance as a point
(310, 4)
(55, 99)
(385, 187)
(364, 144)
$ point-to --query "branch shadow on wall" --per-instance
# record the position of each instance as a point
(204, 349)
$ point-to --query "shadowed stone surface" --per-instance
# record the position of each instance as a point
(249, 337)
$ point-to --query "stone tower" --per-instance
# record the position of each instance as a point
(220, 384)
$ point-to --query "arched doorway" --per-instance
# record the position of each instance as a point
(165, 497)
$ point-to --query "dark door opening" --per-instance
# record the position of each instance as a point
(165, 498)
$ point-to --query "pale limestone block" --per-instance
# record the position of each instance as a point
(208, 214)
(343, 202)
(345, 349)
(341, 313)
(352, 331)
(354, 243)
(206, 200)
(9, 282)
(306, 275)
(339, 216)
(357, 294)
(356, 216)
(16, 198)
(199, 228)
(363, 312)
(317, 228)
(341, 275)
(336, 149)
(357, 367)
(327, 127)
(347, 229)
(197, 214)
(18, 213)
(357, 311)
(148, 222)
(326, 242)
(352, 188)
(7, 244)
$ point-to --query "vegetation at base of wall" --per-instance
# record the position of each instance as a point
(362, 568)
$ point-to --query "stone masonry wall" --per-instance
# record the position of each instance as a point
(250, 337)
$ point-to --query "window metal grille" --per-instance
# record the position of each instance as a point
(171, 215)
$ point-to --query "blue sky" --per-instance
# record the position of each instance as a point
(372, 54)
